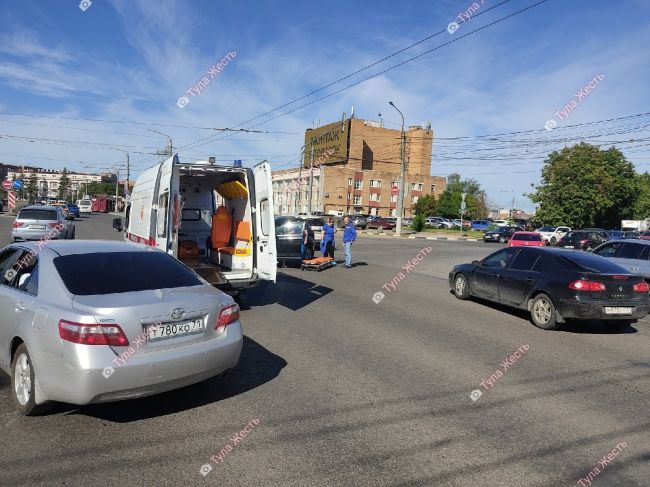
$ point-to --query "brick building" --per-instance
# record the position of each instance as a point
(354, 165)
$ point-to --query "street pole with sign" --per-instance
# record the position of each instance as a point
(463, 205)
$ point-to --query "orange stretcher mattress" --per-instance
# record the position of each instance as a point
(318, 264)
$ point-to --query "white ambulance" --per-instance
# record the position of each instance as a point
(217, 220)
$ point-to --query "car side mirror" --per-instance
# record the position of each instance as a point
(117, 224)
(476, 263)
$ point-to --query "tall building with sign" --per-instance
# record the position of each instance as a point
(352, 166)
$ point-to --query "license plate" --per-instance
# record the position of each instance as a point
(170, 330)
(609, 310)
(568, 246)
(39, 227)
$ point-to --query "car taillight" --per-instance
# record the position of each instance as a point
(89, 334)
(641, 287)
(582, 285)
(228, 315)
(17, 224)
(582, 242)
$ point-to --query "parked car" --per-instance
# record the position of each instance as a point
(500, 234)
(73, 210)
(36, 222)
(500, 223)
(85, 207)
(168, 327)
(457, 223)
(289, 237)
(554, 285)
(631, 234)
(359, 221)
(630, 254)
(616, 235)
(553, 234)
(645, 236)
(382, 223)
(526, 239)
(582, 240)
(316, 223)
(604, 234)
(481, 225)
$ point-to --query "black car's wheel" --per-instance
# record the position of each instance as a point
(461, 286)
(502, 240)
(552, 241)
(542, 311)
(618, 325)
(23, 383)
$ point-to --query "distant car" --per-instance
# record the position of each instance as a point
(382, 223)
(631, 234)
(85, 207)
(500, 223)
(359, 221)
(481, 225)
(645, 236)
(500, 234)
(168, 327)
(37, 222)
(289, 238)
(616, 235)
(604, 234)
(526, 239)
(632, 254)
(555, 285)
(73, 210)
(582, 240)
(552, 234)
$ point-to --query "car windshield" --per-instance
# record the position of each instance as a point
(316, 222)
(122, 272)
(85, 202)
(527, 237)
(576, 235)
(37, 214)
(547, 229)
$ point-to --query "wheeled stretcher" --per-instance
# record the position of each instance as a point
(317, 264)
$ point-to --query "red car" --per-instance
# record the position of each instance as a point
(526, 239)
(382, 223)
(645, 236)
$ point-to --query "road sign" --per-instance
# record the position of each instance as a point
(7, 184)
(463, 196)
(463, 205)
(394, 190)
(17, 184)
(12, 200)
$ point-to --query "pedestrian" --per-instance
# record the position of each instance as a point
(349, 236)
(307, 242)
(327, 242)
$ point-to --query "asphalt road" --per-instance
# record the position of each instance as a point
(349, 392)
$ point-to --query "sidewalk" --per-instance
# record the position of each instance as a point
(418, 235)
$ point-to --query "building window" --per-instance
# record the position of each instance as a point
(375, 183)
(358, 184)
(357, 199)
(433, 188)
(393, 212)
(394, 183)
(349, 181)
(415, 199)
(416, 186)
(374, 197)
(393, 198)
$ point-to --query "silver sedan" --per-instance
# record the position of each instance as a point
(97, 321)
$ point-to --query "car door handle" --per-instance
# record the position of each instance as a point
(20, 307)
(530, 279)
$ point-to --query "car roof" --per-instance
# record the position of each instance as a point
(39, 207)
(632, 241)
(525, 233)
(70, 247)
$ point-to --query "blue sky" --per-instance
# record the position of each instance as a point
(129, 61)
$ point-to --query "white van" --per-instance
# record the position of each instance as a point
(85, 207)
(217, 220)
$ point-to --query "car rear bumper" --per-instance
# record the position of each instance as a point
(87, 375)
(19, 234)
(595, 310)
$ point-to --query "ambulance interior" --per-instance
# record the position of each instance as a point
(216, 222)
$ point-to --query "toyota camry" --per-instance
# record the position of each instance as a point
(95, 321)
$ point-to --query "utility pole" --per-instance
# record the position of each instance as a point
(117, 186)
(402, 170)
(299, 186)
(311, 169)
(126, 183)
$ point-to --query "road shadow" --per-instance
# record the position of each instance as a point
(289, 291)
(256, 367)
(593, 327)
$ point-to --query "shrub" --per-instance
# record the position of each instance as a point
(418, 223)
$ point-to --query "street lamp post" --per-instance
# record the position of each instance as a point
(402, 168)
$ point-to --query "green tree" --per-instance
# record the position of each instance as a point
(418, 222)
(642, 203)
(31, 187)
(584, 186)
(426, 206)
(64, 185)
(451, 197)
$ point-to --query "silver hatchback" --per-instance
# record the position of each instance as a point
(39, 222)
(97, 321)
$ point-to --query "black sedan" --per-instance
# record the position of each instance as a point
(289, 237)
(581, 240)
(554, 285)
(500, 234)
